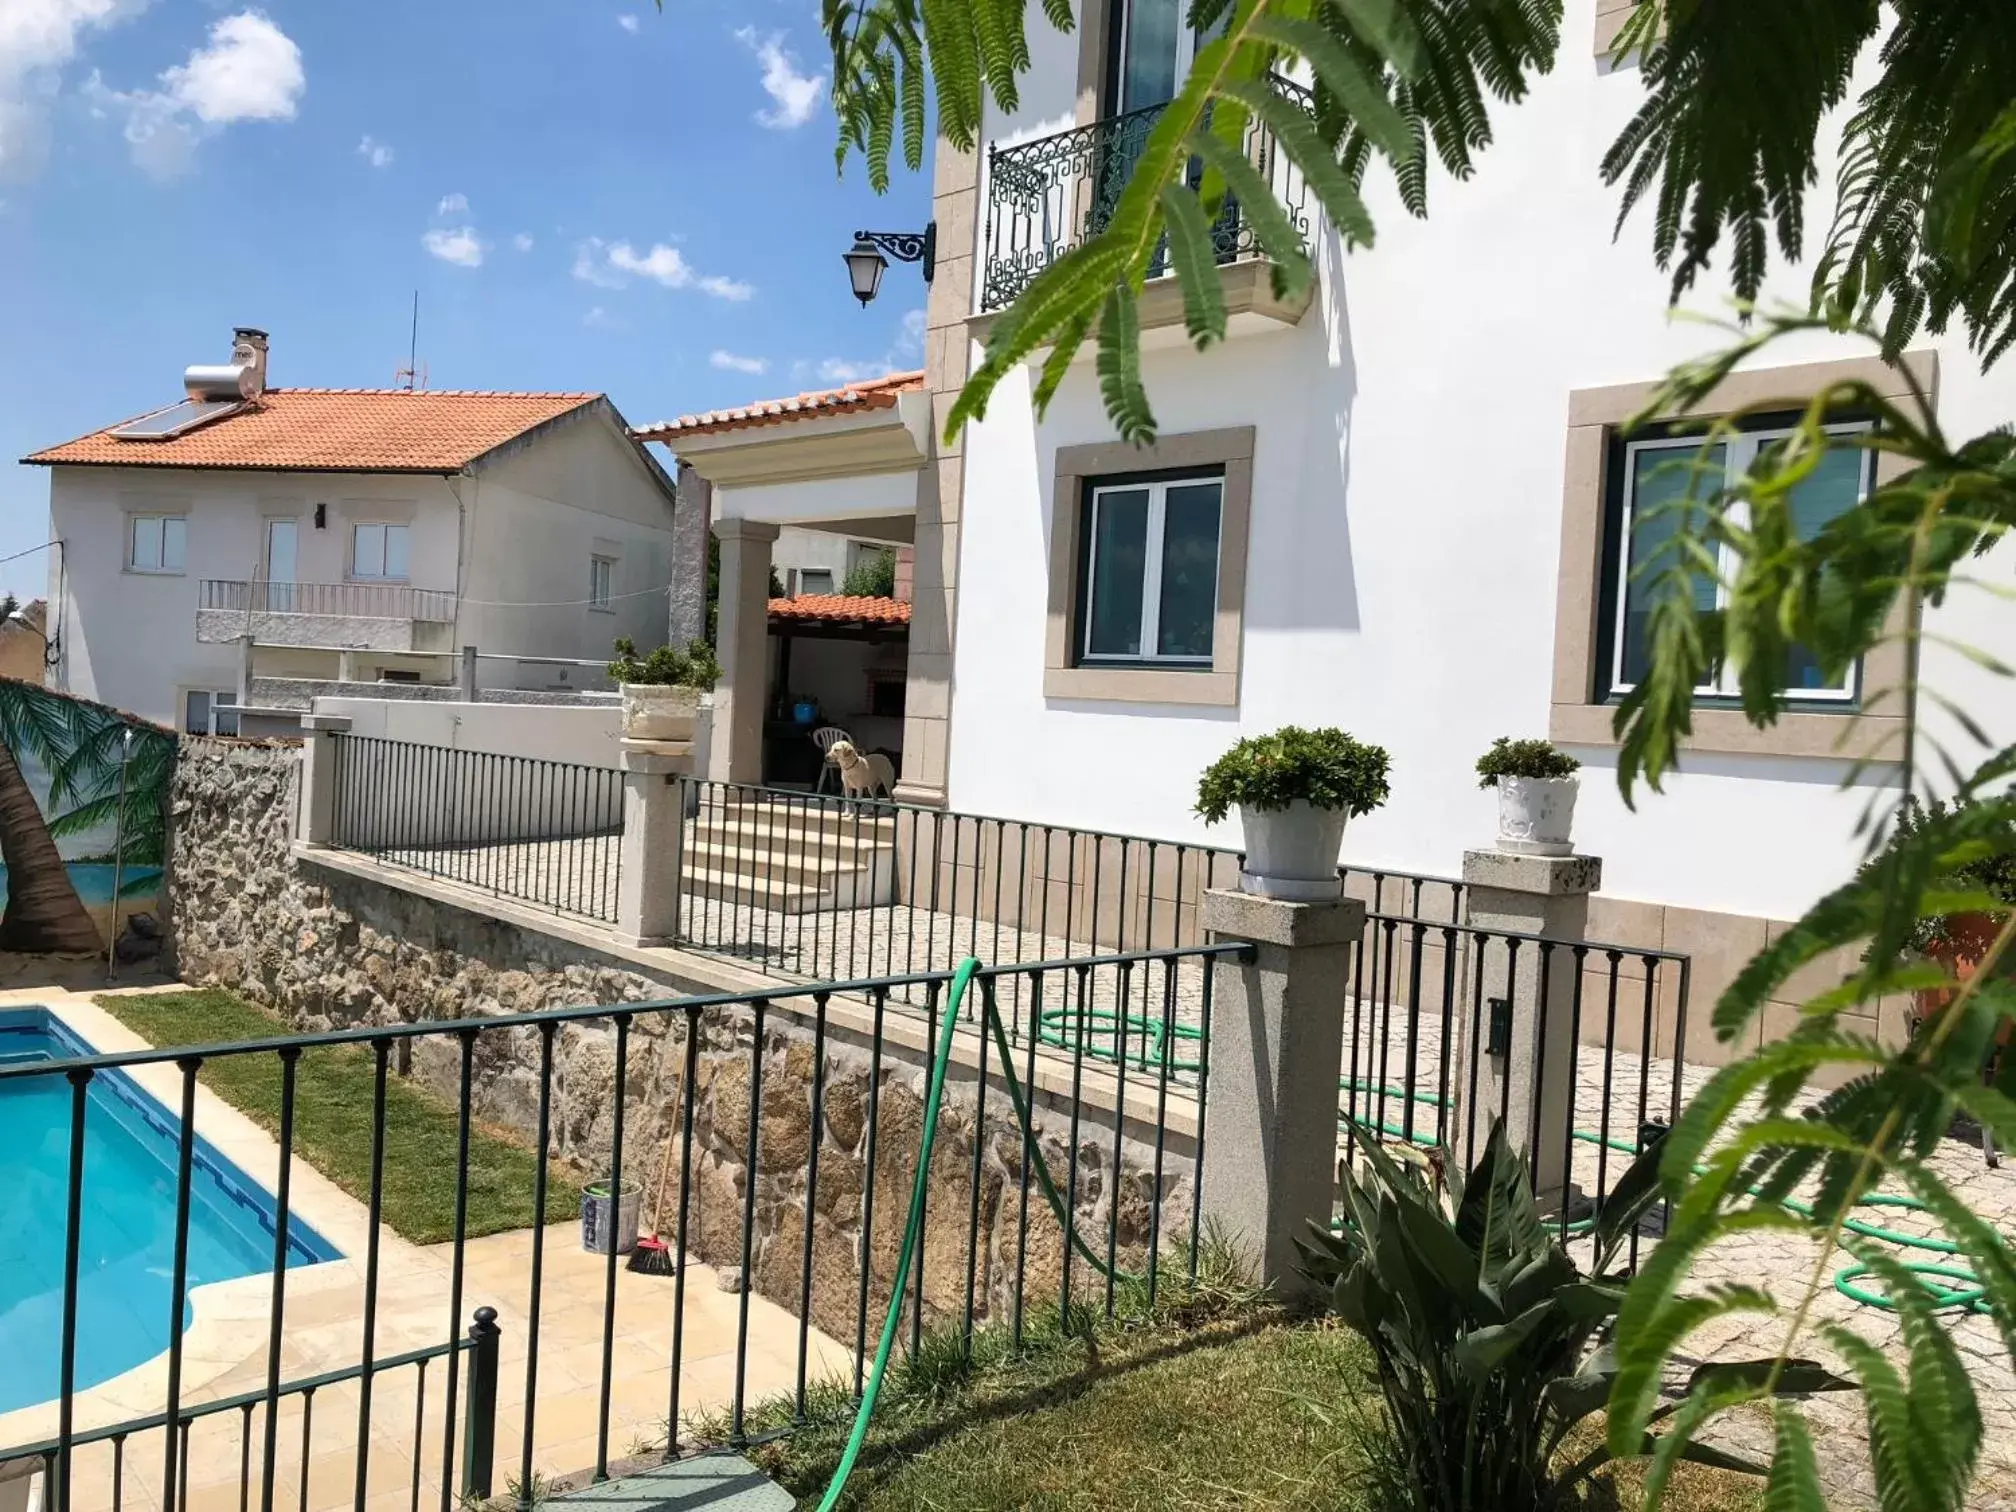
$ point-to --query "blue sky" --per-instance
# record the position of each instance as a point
(588, 194)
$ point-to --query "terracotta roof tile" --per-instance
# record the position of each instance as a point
(839, 607)
(869, 394)
(346, 430)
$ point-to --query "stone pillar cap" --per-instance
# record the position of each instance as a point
(1547, 876)
(1276, 921)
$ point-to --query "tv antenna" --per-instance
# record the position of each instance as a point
(412, 375)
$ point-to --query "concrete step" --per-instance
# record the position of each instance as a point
(779, 862)
(831, 817)
(761, 834)
(739, 887)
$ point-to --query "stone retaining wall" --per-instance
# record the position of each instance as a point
(326, 949)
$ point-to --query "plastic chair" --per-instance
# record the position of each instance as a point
(826, 737)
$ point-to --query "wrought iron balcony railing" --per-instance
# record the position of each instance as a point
(1048, 196)
(341, 600)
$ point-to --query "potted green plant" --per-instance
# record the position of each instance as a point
(1536, 785)
(661, 691)
(1294, 790)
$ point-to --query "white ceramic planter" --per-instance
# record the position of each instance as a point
(1536, 815)
(1291, 853)
(656, 711)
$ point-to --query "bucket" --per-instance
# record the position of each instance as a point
(608, 1222)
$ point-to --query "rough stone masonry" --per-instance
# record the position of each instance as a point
(325, 949)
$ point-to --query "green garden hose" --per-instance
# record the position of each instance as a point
(962, 979)
(1947, 1285)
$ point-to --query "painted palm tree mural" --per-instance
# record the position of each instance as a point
(74, 849)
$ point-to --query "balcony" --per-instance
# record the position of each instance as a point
(349, 616)
(1046, 197)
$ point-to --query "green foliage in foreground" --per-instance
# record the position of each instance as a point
(874, 576)
(333, 1091)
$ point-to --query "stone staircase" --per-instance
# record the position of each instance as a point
(791, 857)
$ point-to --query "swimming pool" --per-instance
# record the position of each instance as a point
(126, 1260)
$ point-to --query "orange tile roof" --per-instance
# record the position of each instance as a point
(869, 394)
(830, 607)
(336, 430)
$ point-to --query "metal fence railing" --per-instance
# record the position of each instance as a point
(1048, 196)
(545, 832)
(802, 1084)
(342, 600)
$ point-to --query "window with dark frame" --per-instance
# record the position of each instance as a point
(1649, 480)
(1148, 570)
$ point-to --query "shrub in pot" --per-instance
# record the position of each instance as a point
(1536, 785)
(1294, 790)
(661, 691)
(1492, 1346)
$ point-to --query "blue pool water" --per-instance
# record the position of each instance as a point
(126, 1260)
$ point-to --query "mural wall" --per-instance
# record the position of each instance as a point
(83, 824)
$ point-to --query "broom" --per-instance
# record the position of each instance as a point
(653, 1256)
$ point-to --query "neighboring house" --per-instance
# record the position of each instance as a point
(354, 534)
(24, 642)
(1401, 505)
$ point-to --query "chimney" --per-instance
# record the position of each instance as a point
(248, 347)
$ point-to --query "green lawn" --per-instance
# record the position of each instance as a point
(332, 1120)
(1249, 1409)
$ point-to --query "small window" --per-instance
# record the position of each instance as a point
(158, 543)
(379, 551)
(1149, 580)
(601, 582)
(886, 696)
(815, 580)
(203, 713)
(1655, 480)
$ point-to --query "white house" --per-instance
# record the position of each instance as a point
(355, 535)
(1398, 506)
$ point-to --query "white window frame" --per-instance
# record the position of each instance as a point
(1151, 586)
(602, 584)
(216, 697)
(161, 567)
(805, 589)
(1739, 453)
(381, 576)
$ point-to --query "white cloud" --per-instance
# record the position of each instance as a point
(629, 23)
(460, 246)
(599, 318)
(522, 241)
(729, 362)
(837, 370)
(611, 265)
(794, 95)
(375, 152)
(453, 204)
(906, 350)
(37, 39)
(249, 70)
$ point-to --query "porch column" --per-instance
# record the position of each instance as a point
(1526, 1075)
(743, 636)
(692, 510)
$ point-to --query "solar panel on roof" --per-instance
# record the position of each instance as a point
(177, 419)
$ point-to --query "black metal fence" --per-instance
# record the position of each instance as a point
(801, 1084)
(545, 832)
(1046, 197)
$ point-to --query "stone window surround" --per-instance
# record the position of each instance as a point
(1594, 416)
(1231, 448)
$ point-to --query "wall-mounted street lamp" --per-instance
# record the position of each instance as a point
(866, 263)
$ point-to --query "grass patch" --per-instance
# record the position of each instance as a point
(1211, 1401)
(332, 1120)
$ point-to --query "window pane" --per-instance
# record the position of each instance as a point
(395, 551)
(1660, 479)
(147, 541)
(227, 724)
(174, 544)
(1148, 72)
(196, 714)
(1119, 565)
(1189, 569)
(369, 552)
(1830, 490)
(816, 580)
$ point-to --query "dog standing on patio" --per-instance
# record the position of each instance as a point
(861, 776)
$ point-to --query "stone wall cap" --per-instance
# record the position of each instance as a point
(1274, 921)
(1547, 876)
(335, 724)
(656, 755)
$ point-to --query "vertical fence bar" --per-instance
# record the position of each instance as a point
(535, 1281)
(621, 1095)
(736, 1435)
(381, 1052)
(178, 1286)
(80, 1083)
(881, 997)
(689, 1073)
(811, 1195)
(455, 1267)
(290, 1056)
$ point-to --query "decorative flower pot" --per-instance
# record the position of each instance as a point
(659, 711)
(1536, 814)
(1963, 945)
(1291, 853)
(607, 1221)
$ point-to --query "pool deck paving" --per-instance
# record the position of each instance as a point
(225, 1351)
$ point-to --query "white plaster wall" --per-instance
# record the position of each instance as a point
(813, 500)
(585, 736)
(1405, 533)
(129, 639)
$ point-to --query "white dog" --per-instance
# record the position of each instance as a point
(861, 776)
